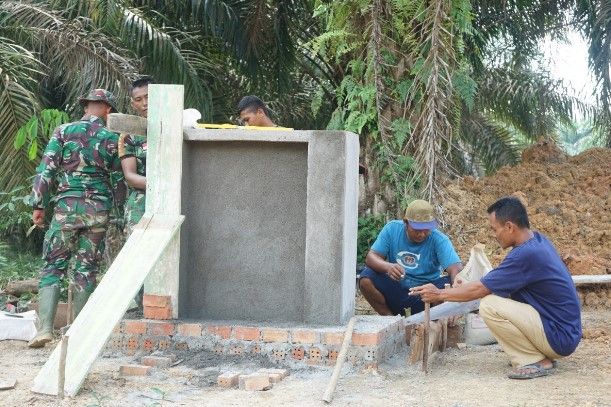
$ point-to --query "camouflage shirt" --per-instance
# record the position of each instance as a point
(81, 160)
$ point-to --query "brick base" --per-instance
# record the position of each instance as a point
(375, 338)
(157, 306)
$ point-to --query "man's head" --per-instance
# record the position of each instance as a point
(508, 220)
(99, 102)
(253, 112)
(419, 220)
(139, 95)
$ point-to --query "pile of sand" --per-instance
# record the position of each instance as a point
(568, 199)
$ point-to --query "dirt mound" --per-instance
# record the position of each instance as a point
(568, 199)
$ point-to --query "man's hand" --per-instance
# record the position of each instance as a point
(395, 271)
(38, 217)
(428, 293)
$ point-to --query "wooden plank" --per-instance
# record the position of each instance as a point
(417, 340)
(126, 123)
(164, 180)
(108, 303)
(426, 337)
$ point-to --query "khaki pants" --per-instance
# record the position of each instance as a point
(518, 329)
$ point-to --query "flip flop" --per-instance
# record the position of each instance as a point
(554, 365)
(528, 372)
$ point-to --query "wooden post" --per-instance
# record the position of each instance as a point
(164, 181)
(61, 376)
(69, 308)
(427, 330)
(340, 361)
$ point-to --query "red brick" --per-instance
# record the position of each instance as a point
(298, 353)
(275, 335)
(157, 313)
(333, 338)
(160, 301)
(332, 356)
(221, 331)
(246, 333)
(134, 370)
(275, 375)
(132, 343)
(160, 328)
(164, 343)
(156, 361)
(118, 329)
(148, 345)
(255, 381)
(365, 339)
(228, 379)
(305, 336)
(189, 329)
(135, 327)
(315, 356)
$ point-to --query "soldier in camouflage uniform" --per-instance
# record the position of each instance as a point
(82, 163)
(132, 151)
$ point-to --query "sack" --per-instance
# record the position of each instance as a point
(21, 327)
(477, 266)
(476, 332)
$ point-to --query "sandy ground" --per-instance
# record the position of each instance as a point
(470, 377)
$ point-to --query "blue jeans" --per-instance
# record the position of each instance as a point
(397, 298)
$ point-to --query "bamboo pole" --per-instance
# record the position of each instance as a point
(340, 361)
(61, 376)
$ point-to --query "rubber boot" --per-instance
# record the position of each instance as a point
(48, 297)
(79, 299)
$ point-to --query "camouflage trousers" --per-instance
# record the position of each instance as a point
(76, 232)
(134, 210)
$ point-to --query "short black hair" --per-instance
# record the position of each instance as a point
(252, 102)
(510, 209)
(141, 82)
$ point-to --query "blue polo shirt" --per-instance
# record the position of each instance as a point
(423, 262)
(534, 274)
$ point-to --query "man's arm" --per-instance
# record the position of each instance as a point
(46, 171)
(133, 179)
(376, 262)
(453, 270)
(466, 292)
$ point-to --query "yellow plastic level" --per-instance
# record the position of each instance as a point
(234, 126)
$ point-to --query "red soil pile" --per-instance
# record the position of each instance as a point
(568, 199)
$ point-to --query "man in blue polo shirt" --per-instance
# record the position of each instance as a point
(529, 302)
(407, 253)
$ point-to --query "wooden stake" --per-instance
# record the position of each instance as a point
(340, 361)
(425, 347)
(69, 307)
(61, 377)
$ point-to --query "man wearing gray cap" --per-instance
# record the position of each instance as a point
(407, 253)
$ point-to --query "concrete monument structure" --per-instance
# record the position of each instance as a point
(271, 225)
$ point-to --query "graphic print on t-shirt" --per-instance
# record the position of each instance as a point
(408, 260)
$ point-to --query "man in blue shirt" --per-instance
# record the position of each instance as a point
(529, 302)
(407, 253)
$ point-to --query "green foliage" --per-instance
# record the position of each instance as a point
(38, 130)
(17, 264)
(574, 139)
(16, 219)
(368, 228)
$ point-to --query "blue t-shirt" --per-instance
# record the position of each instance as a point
(423, 262)
(534, 274)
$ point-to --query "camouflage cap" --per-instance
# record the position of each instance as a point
(100, 95)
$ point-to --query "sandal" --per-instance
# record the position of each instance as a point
(554, 365)
(529, 372)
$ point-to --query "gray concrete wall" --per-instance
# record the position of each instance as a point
(270, 230)
(244, 235)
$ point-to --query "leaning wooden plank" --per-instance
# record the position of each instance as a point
(447, 309)
(592, 279)
(127, 123)
(106, 306)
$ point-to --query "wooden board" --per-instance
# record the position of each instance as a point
(437, 340)
(108, 303)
